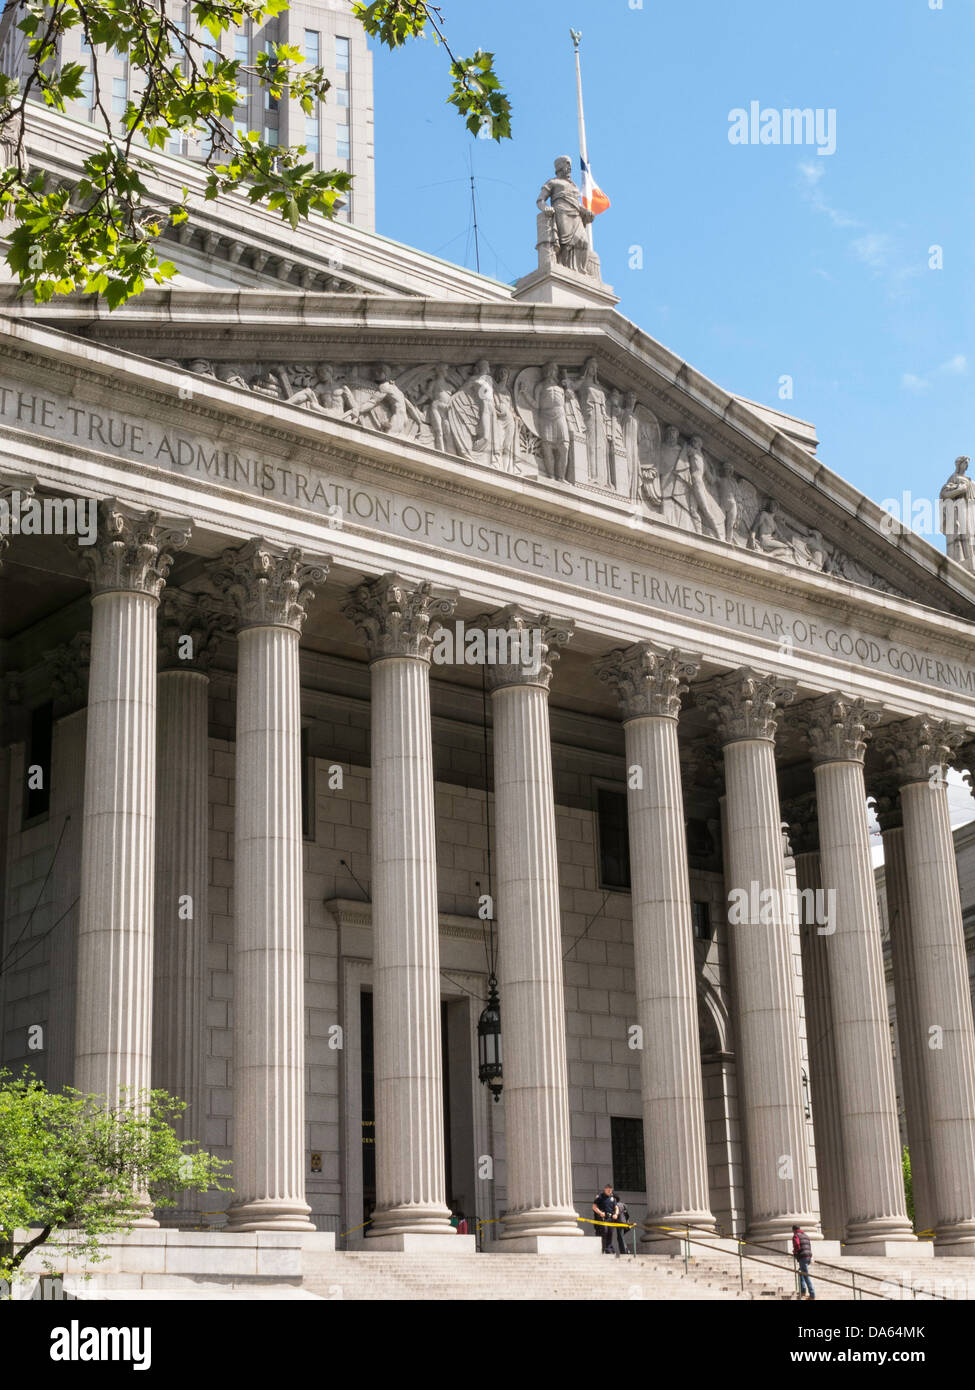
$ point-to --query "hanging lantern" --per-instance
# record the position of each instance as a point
(489, 1042)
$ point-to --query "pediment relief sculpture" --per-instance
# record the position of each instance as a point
(552, 422)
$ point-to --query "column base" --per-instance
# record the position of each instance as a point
(542, 1223)
(960, 1249)
(958, 1239)
(544, 1245)
(912, 1249)
(880, 1230)
(417, 1243)
(410, 1219)
(270, 1215)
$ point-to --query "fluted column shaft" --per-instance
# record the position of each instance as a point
(395, 617)
(181, 881)
(648, 681)
(269, 1082)
(539, 1164)
(743, 706)
(873, 1178)
(114, 1018)
(270, 591)
(666, 991)
(827, 1124)
(897, 890)
(410, 1176)
(945, 1039)
(127, 567)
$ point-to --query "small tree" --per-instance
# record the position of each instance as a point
(68, 1161)
(101, 236)
(908, 1181)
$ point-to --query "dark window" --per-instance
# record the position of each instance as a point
(629, 1174)
(614, 845)
(307, 790)
(702, 920)
(38, 799)
(368, 1107)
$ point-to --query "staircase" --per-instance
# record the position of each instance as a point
(434, 1278)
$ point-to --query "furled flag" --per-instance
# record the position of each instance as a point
(593, 196)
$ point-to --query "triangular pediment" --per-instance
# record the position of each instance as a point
(562, 398)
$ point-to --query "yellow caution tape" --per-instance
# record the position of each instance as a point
(626, 1225)
(355, 1228)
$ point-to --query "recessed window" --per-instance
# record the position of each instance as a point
(629, 1173)
(614, 844)
(343, 147)
(701, 916)
(313, 48)
(342, 54)
(37, 801)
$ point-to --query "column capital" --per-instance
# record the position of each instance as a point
(266, 585)
(836, 727)
(886, 802)
(965, 759)
(919, 749)
(69, 664)
(134, 550)
(648, 679)
(534, 637)
(13, 487)
(190, 629)
(743, 704)
(800, 817)
(394, 615)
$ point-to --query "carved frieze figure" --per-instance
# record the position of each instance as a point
(675, 482)
(472, 415)
(764, 534)
(229, 374)
(441, 393)
(561, 200)
(709, 513)
(540, 401)
(265, 383)
(389, 408)
(958, 514)
(593, 401)
(727, 498)
(506, 430)
(326, 395)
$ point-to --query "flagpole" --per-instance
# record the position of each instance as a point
(583, 148)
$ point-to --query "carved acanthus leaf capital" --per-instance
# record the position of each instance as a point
(837, 727)
(14, 489)
(800, 817)
(191, 627)
(965, 759)
(68, 665)
(648, 679)
(920, 749)
(397, 616)
(526, 645)
(743, 705)
(884, 793)
(268, 586)
(133, 552)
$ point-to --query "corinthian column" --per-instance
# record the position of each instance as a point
(270, 591)
(189, 629)
(540, 1213)
(897, 891)
(394, 616)
(877, 1221)
(918, 752)
(649, 682)
(127, 567)
(800, 815)
(743, 706)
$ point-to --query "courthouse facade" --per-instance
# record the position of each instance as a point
(284, 828)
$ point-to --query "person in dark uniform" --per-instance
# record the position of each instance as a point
(605, 1206)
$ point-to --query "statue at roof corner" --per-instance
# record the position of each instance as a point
(561, 202)
(958, 514)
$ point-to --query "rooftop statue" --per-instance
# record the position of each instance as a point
(561, 201)
(958, 515)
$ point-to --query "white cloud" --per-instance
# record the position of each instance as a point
(873, 250)
(910, 382)
(810, 177)
(955, 366)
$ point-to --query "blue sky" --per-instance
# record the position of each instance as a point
(758, 261)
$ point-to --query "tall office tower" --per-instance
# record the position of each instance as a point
(338, 135)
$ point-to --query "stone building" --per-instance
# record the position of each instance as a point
(338, 135)
(435, 627)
